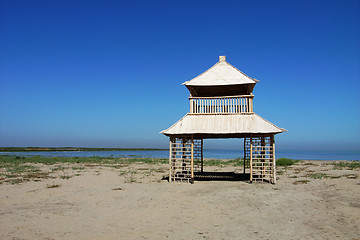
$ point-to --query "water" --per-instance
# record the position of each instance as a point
(208, 153)
(295, 154)
(130, 154)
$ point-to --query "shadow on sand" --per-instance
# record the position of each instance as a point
(218, 176)
(221, 176)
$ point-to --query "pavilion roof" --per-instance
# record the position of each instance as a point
(222, 73)
(222, 124)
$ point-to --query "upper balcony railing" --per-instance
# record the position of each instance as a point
(221, 105)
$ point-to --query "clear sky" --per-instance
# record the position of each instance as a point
(109, 73)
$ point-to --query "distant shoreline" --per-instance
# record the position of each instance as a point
(164, 153)
(74, 149)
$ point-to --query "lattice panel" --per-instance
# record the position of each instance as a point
(197, 154)
(180, 158)
(263, 167)
(247, 153)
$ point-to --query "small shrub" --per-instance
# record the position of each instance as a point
(318, 175)
(226, 162)
(351, 176)
(285, 162)
(131, 179)
(65, 177)
(350, 165)
(16, 180)
(214, 162)
(58, 168)
(301, 182)
(309, 164)
(53, 185)
(78, 168)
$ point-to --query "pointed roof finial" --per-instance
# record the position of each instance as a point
(222, 73)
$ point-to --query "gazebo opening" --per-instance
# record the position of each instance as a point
(221, 106)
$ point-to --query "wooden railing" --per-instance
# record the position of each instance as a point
(221, 105)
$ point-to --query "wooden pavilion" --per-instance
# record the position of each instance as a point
(221, 106)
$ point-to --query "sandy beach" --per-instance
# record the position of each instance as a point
(311, 200)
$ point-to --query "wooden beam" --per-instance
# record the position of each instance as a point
(191, 105)
(170, 160)
(233, 96)
(251, 168)
(244, 155)
(262, 153)
(192, 158)
(202, 155)
(274, 160)
(250, 105)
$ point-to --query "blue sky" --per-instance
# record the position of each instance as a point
(109, 73)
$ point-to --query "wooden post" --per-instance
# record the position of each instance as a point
(244, 154)
(202, 156)
(191, 105)
(192, 158)
(262, 153)
(241, 105)
(183, 162)
(250, 105)
(251, 168)
(273, 158)
(170, 160)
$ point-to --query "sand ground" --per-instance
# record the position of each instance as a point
(311, 200)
